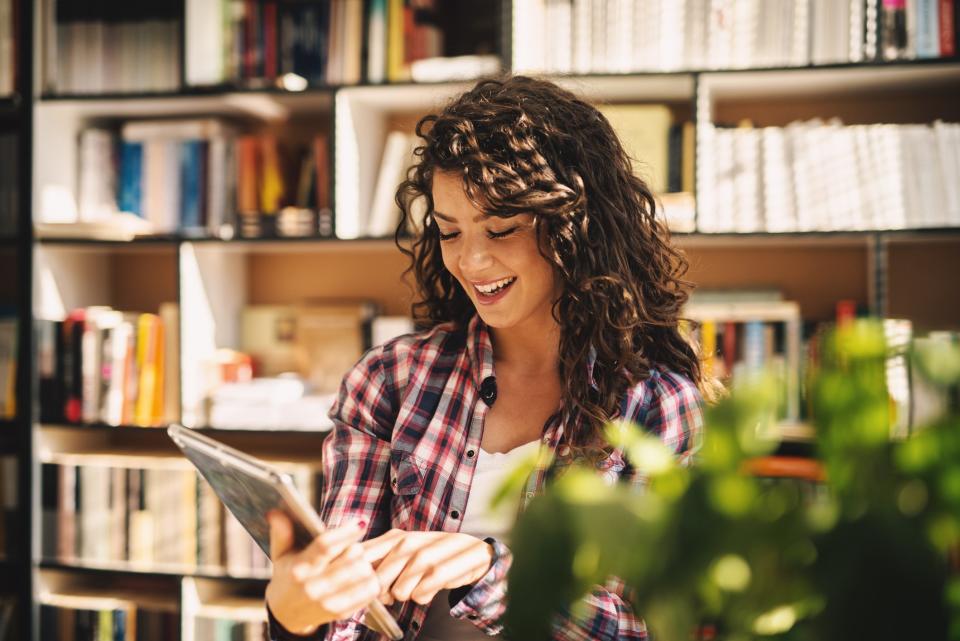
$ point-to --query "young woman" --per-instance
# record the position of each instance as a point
(552, 294)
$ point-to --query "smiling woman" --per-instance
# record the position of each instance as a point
(549, 295)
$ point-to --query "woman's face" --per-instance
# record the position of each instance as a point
(496, 260)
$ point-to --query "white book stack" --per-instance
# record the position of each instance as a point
(98, 188)
(397, 158)
(747, 186)
(206, 39)
(7, 43)
(695, 18)
(559, 36)
(948, 158)
(622, 36)
(886, 148)
(778, 205)
(824, 176)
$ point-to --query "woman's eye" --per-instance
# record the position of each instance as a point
(449, 236)
(501, 234)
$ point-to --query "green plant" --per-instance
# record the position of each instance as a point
(865, 555)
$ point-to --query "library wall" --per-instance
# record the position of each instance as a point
(898, 107)
(142, 281)
(815, 276)
(922, 283)
(335, 274)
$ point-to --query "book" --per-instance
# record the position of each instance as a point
(396, 159)
(8, 367)
(329, 338)
(644, 131)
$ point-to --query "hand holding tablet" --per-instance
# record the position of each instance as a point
(322, 571)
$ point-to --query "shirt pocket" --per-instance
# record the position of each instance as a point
(406, 483)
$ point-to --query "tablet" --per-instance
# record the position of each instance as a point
(250, 489)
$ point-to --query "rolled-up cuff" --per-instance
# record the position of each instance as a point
(484, 602)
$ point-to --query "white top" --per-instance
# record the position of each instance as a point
(479, 521)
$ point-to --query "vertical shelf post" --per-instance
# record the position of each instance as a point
(28, 501)
(877, 268)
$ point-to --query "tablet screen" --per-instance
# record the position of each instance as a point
(249, 493)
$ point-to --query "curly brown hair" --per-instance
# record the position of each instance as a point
(525, 145)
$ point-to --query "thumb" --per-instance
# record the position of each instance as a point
(281, 534)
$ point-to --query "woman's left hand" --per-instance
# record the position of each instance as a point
(417, 565)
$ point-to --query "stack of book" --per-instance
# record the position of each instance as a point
(198, 177)
(100, 365)
(8, 184)
(163, 519)
(743, 333)
(273, 42)
(295, 45)
(94, 46)
(621, 36)
(824, 176)
(92, 617)
(9, 24)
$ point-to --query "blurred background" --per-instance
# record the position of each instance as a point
(196, 212)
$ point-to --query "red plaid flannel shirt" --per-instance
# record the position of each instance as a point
(406, 416)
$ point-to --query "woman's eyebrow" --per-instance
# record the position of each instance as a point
(450, 219)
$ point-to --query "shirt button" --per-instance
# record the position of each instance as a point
(415, 625)
(455, 514)
(471, 453)
(563, 450)
(393, 482)
(529, 495)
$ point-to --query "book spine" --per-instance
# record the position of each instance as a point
(946, 22)
(928, 29)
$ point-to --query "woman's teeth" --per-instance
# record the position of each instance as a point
(494, 287)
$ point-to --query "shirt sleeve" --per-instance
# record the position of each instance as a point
(671, 410)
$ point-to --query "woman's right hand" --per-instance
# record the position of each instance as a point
(326, 581)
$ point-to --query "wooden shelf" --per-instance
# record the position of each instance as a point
(833, 80)
(224, 91)
(129, 569)
(261, 104)
(838, 237)
(151, 447)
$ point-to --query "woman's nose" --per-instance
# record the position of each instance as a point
(475, 256)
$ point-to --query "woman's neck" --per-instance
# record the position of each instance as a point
(528, 349)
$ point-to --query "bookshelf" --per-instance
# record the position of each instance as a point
(213, 277)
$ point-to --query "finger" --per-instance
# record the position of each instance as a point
(436, 564)
(375, 549)
(440, 578)
(281, 534)
(390, 567)
(344, 589)
(323, 549)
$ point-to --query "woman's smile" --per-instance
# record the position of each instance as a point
(490, 292)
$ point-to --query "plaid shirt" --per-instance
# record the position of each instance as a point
(407, 423)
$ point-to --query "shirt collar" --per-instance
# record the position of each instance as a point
(479, 349)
